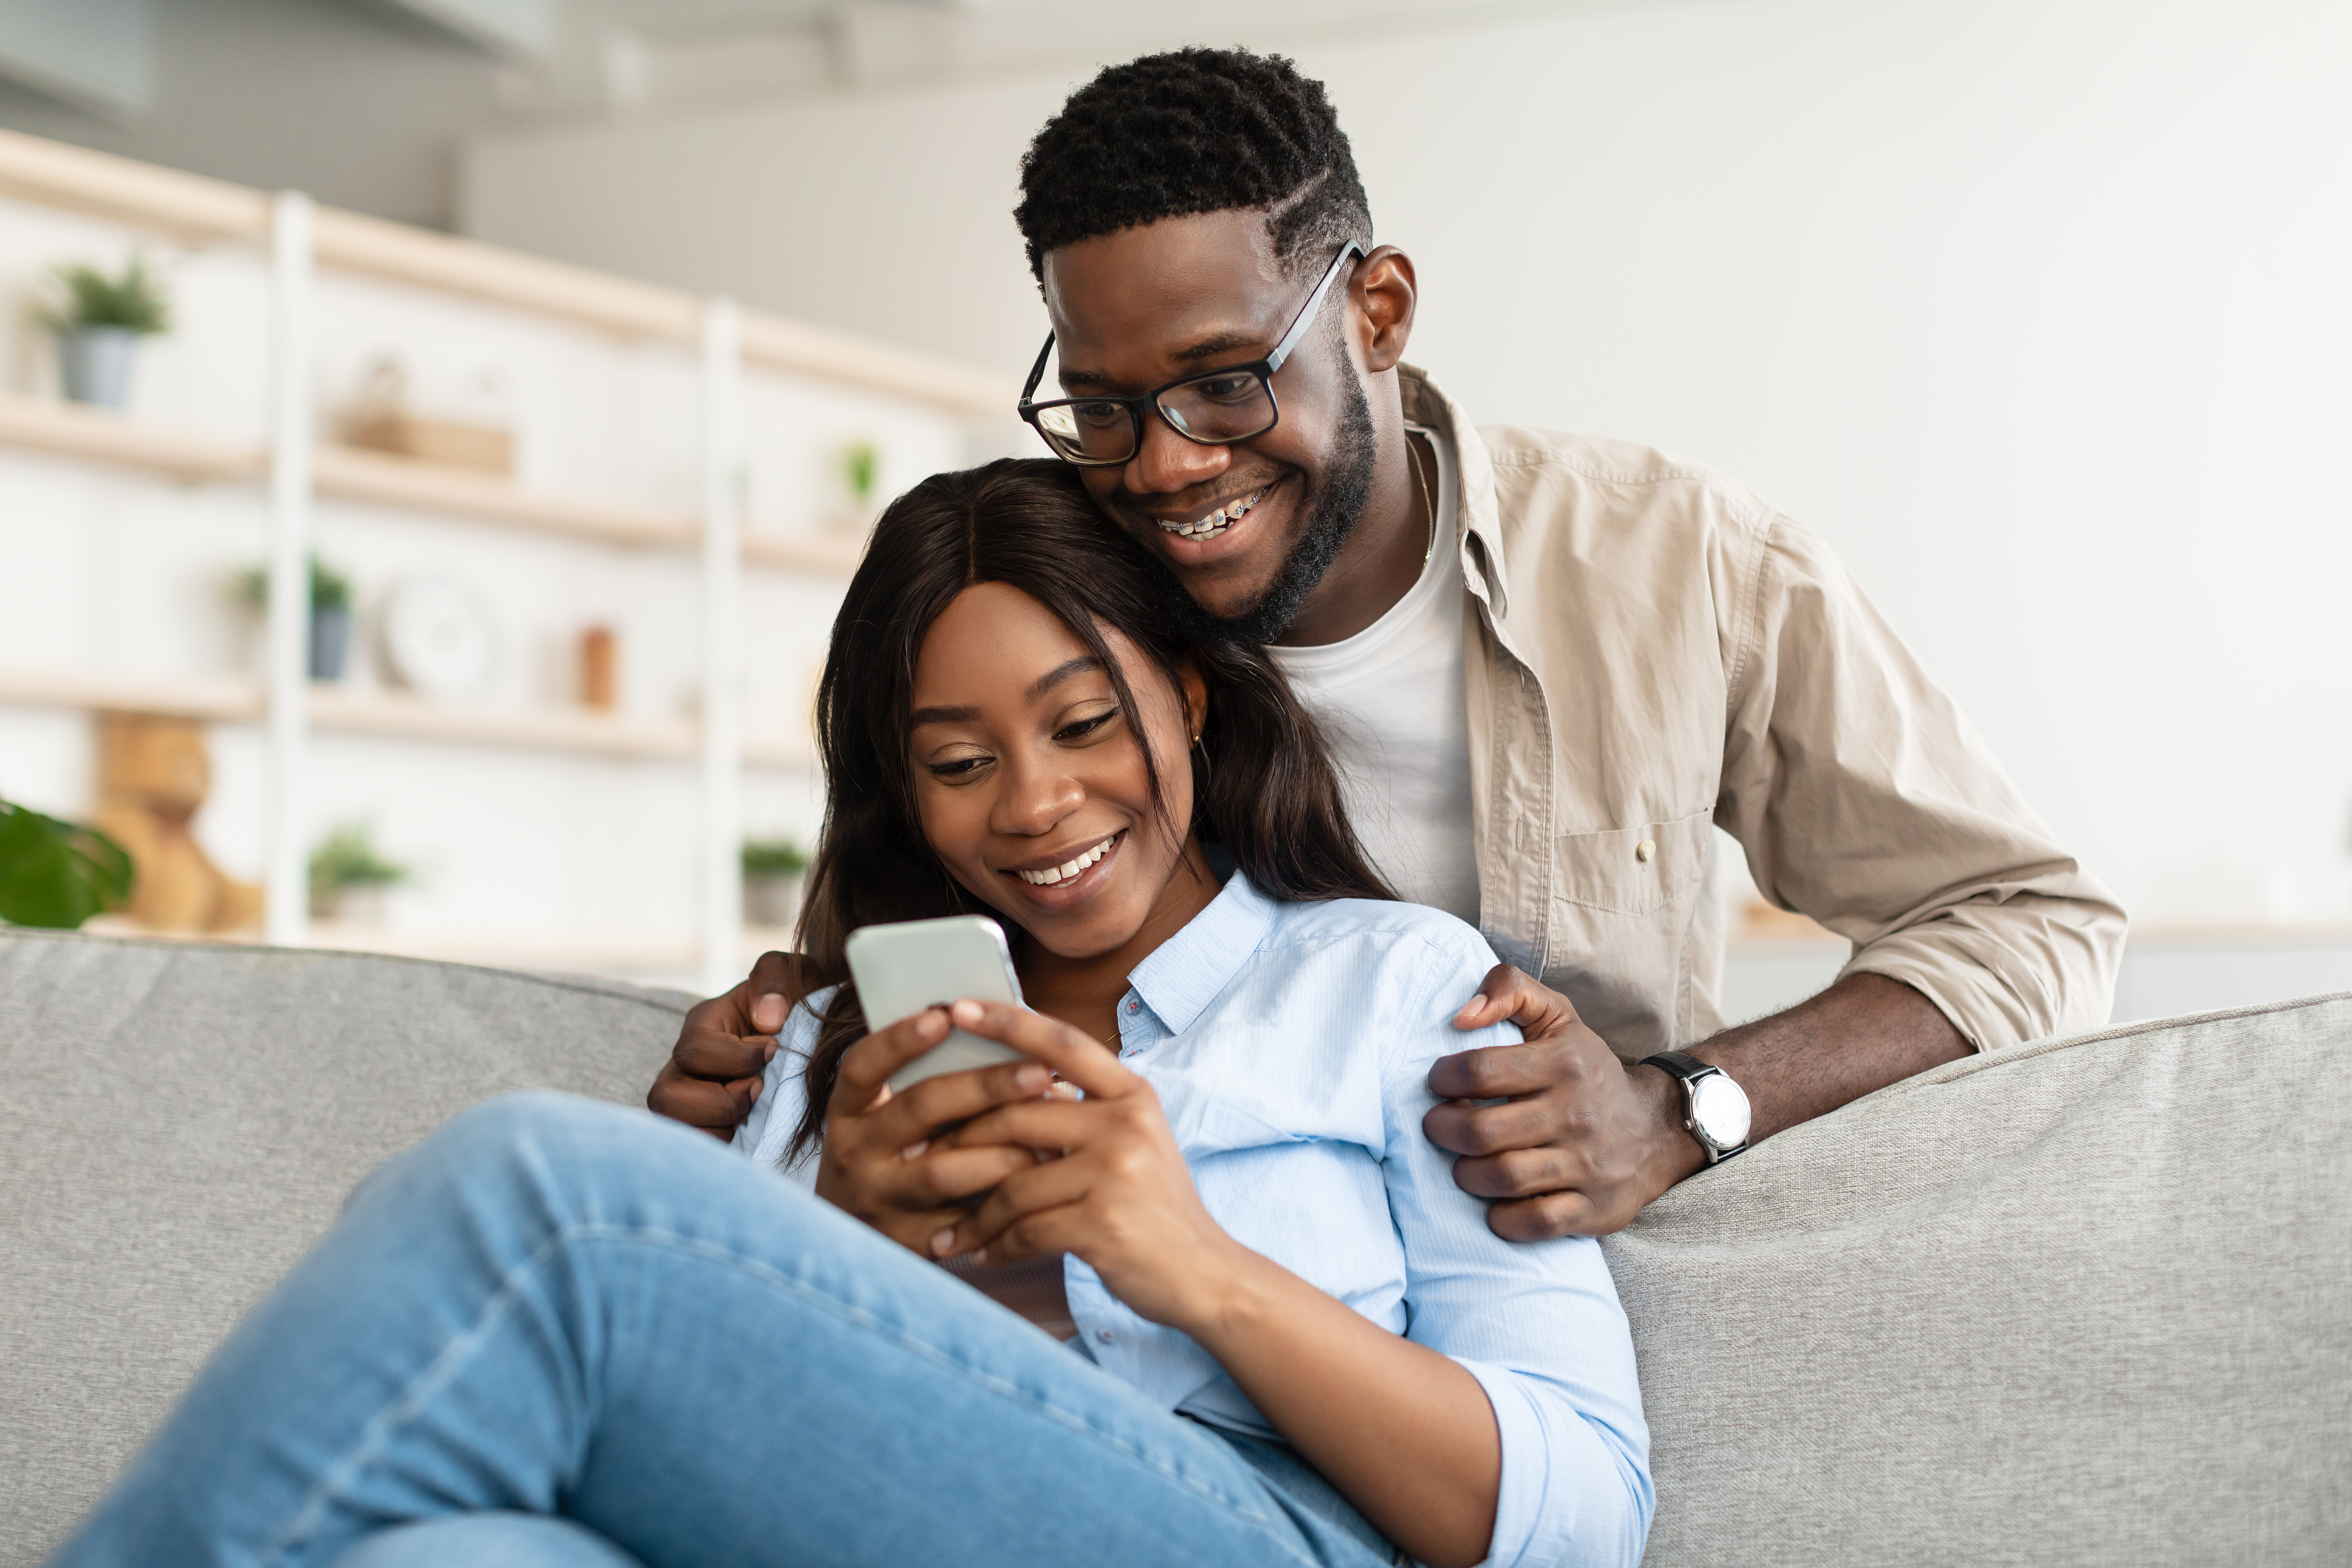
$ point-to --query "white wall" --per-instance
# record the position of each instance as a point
(2035, 308)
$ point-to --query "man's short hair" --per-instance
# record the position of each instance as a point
(1196, 130)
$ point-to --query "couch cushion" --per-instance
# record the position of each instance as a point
(2087, 1301)
(178, 1122)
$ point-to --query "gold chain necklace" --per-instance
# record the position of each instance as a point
(1421, 483)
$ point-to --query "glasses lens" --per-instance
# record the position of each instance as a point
(1228, 406)
(1089, 432)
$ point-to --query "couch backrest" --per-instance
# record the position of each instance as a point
(177, 1123)
(2088, 1301)
(2085, 1302)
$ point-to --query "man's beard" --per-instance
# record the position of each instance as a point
(1338, 507)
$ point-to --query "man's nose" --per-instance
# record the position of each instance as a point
(1164, 462)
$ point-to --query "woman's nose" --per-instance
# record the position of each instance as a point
(1034, 798)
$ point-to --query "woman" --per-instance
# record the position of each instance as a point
(1305, 1345)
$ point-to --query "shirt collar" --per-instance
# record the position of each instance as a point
(1480, 519)
(1188, 971)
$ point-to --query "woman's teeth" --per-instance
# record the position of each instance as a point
(1067, 869)
(1215, 523)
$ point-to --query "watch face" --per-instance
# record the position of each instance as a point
(1720, 1108)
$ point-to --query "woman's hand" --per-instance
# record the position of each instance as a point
(1113, 1187)
(879, 1162)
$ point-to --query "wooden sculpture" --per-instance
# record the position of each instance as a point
(153, 775)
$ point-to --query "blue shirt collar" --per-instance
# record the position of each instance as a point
(1188, 971)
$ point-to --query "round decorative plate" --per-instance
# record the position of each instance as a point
(440, 639)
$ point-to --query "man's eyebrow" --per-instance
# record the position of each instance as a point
(1206, 347)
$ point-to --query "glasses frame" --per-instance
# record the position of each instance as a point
(1263, 369)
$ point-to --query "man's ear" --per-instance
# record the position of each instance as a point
(1384, 294)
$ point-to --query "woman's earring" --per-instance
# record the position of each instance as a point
(1196, 737)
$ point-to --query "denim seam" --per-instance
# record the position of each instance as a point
(410, 1402)
(728, 1258)
(378, 1433)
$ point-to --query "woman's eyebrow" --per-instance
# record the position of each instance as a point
(1081, 665)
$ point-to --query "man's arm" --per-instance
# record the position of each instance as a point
(1864, 800)
(1586, 1142)
(714, 1072)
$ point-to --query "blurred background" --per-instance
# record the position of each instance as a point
(2037, 310)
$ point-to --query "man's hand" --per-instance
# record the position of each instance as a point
(1581, 1144)
(713, 1075)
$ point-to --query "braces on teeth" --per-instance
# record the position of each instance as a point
(1215, 523)
(1067, 869)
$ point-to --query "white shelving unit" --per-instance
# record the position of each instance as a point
(653, 485)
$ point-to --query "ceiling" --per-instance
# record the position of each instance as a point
(366, 103)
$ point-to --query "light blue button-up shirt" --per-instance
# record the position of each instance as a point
(1290, 1047)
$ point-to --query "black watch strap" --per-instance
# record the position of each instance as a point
(1679, 1064)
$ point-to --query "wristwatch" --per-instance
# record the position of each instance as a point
(1715, 1109)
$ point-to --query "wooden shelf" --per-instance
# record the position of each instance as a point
(198, 209)
(394, 715)
(346, 473)
(94, 434)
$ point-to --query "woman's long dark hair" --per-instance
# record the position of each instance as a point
(1262, 786)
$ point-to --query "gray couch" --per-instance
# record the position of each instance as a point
(2088, 1301)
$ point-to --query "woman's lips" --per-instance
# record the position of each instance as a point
(1069, 869)
(1068, 885)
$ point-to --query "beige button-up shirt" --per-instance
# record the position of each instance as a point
(1656, 651)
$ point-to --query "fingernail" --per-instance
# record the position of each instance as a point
(915, 1151)
(979, 1258)
(770, 1054)
(757, 1085)
(942, 1244)
(768, 1011)
(966, 1012)
(1031, 1079)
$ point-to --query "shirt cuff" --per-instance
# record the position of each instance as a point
(1565, 1496)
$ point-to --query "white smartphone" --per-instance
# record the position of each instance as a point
(904, 966)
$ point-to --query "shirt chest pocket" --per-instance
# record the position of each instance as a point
(1632, 870)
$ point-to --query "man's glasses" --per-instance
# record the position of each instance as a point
(1214, 407)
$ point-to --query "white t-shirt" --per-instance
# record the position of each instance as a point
(1390, 699)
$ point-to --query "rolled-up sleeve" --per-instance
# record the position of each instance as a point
(1865, 800)
(1537, 1323)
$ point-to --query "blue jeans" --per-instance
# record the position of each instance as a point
(561, 1332)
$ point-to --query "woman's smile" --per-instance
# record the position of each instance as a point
(1063, 877)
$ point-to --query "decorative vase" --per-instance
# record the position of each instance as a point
(331, 641)
(95, 364)
(772, 902)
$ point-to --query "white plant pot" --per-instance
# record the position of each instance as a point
(771, 901)
(95, 364)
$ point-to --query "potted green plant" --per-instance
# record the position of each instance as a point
(57, 873)
(772, 870)
(330, 614)
(99, 320)
(349, 877)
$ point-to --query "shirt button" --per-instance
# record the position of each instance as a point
(1103, 1335)
(1135, 1006)
(1646, 850)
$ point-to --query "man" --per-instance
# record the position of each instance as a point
(1551, 666)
